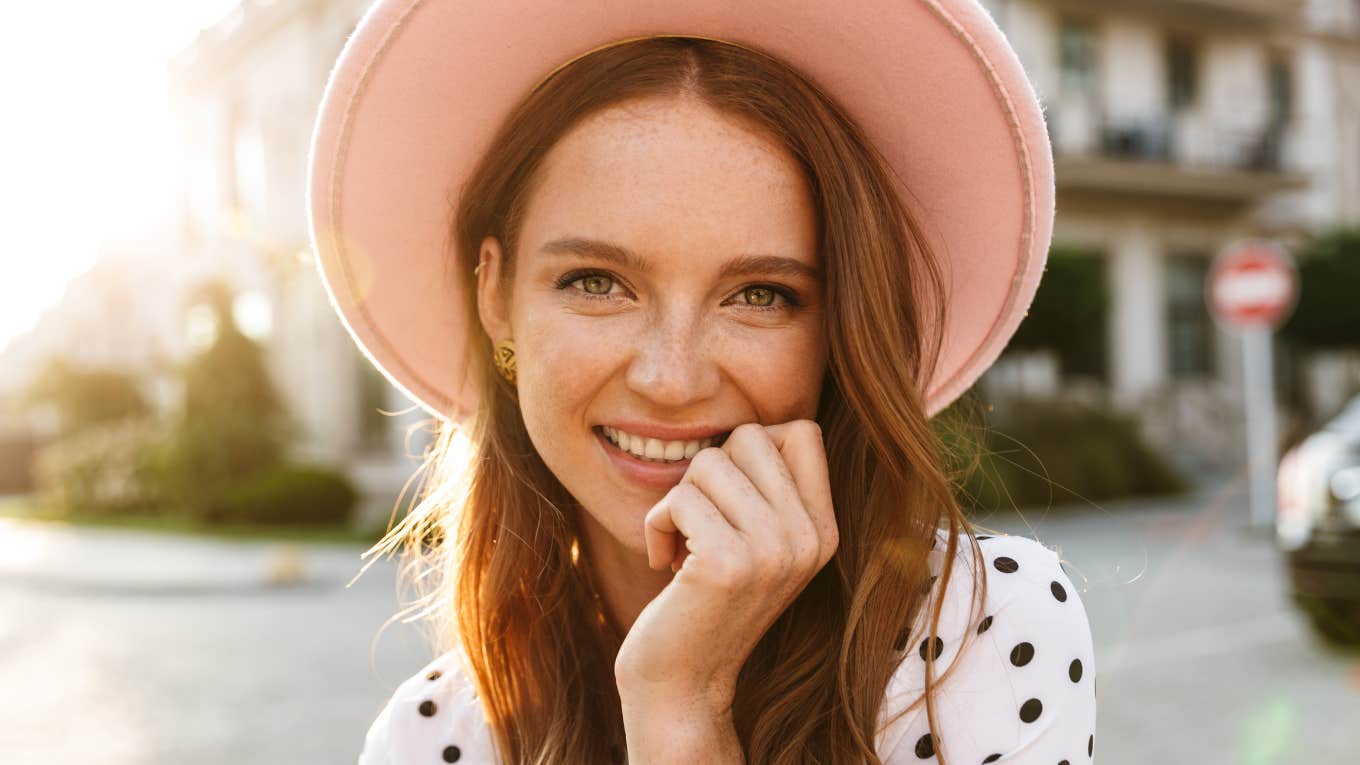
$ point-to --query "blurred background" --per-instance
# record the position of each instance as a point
(193, 453)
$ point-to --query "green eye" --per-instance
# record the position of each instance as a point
(759, 296)
(596, 284)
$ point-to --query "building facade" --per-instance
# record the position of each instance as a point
(1179, 127)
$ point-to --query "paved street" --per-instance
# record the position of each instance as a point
(126, 648)
(213, 667)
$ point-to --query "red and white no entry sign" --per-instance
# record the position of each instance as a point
(1252, 285)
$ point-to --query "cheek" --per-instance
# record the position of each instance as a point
(780, 372)
(562, 364)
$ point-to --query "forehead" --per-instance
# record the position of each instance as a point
(673, 175)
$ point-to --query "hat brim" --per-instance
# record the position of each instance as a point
(933, 83)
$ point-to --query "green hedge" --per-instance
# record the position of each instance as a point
(1045, 452)
(149, 468)
(290, 495)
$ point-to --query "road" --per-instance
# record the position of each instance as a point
(161, 651)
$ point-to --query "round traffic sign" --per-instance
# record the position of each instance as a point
(1252, 285)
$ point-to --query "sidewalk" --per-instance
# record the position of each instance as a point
(60, 556)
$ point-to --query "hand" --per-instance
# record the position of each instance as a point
(758, 524)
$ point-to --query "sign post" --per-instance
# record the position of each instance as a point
(1252, 288)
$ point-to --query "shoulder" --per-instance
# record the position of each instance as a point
(1022, 663)
(432, 716)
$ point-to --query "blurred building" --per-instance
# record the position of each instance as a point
(1178, 126)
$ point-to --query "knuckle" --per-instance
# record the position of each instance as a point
(808, 550)
(706, 458)
(775, 560)
(684, 492)
(747, 430)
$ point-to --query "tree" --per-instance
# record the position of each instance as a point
(232, 423)
(1328, 313)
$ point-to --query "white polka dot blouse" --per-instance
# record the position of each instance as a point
(1022, 692)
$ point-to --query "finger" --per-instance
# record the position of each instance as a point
(800, 444)
(731, 491)
(687, 512)
(753, 451)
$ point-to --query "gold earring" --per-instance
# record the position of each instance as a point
(504, 359)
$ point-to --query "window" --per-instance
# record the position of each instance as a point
(1076, 55)
(1182, 73)
(1281, 83)
(1191, 340)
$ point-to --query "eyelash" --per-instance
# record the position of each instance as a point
(567, 279)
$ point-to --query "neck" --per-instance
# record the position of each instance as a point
(624, 581)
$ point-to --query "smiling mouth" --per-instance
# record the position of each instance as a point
(703, 443)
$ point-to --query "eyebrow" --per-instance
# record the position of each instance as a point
(742, 265)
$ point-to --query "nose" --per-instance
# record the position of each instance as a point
(672, 364)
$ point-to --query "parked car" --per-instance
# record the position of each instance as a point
(1318, 524)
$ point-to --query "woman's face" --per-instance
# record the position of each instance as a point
(666, 285)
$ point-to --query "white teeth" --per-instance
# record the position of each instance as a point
(656, 450)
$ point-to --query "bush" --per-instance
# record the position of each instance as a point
(100, 470)
(1056, 452)
(289, 495)
(198, 459)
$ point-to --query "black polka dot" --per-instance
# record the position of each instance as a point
(1091, 745)
(1030, 710)
(1022, 653)
(925, 746)
(938, 647)
(428, 708)
(1058, 592)
(1006, 565)
(993, 757)
(983, 536)
(433, 675)
(1074, 670)
(452, 754)
(984, 625)
(1064, 762)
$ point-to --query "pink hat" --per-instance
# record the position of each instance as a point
(422, 85)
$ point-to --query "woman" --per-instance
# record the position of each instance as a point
(684, 337)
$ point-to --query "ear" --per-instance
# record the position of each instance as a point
(492, 306)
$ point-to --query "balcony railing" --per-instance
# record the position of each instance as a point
(1195, 145)
(1187, 155)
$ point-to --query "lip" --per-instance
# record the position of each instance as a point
(655, 475)
(669, 432)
